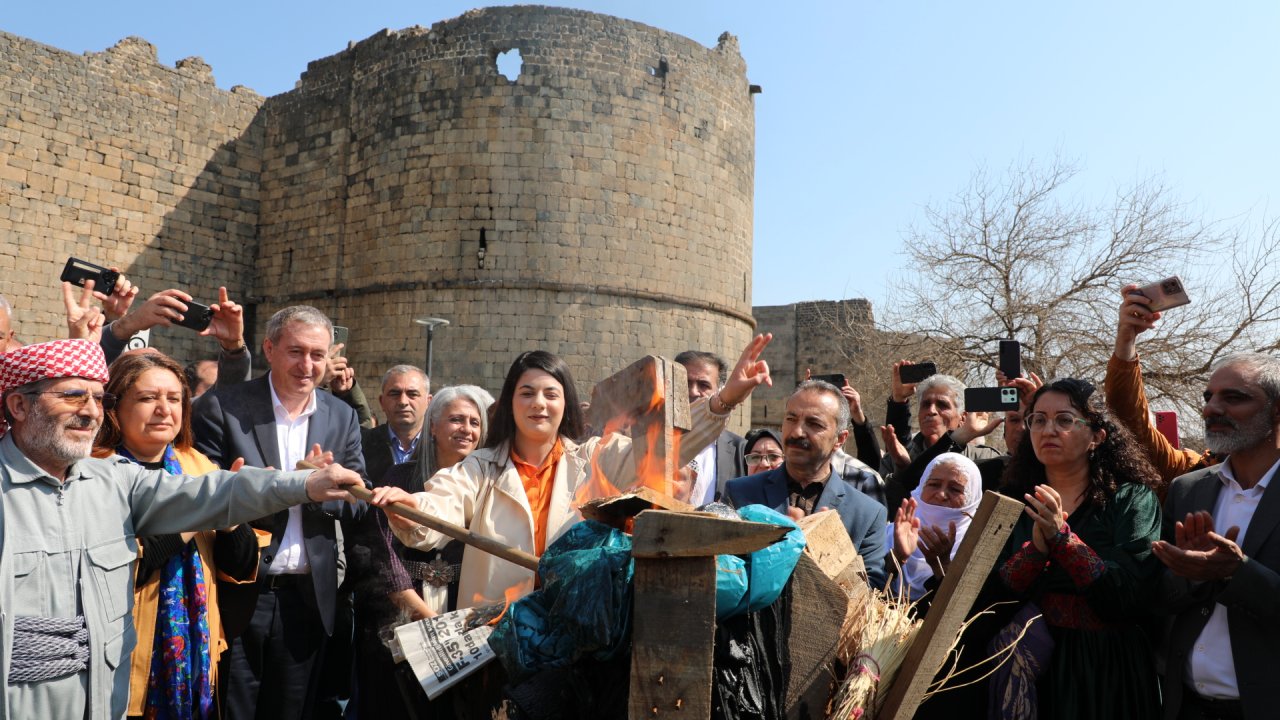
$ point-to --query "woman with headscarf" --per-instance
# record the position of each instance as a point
(931, 523)
(175, 612)
(762, 450)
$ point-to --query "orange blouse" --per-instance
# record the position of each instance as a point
(538, 482)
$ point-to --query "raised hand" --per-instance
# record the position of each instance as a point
(227, 323)
(1045, 508)
(898, 390)
(1136, 317)
(906, 530)
(391, 495)
(749, 373)
(115, 304)
(1199, 553)
(894, 448)
(936, 546)
(84, 321)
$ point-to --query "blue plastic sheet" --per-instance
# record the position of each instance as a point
(581, 610)
(754, 582)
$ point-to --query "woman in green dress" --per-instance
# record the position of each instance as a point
(1080, 557)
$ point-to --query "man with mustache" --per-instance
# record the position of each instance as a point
(815, 424)
(68, 524)
(1221, 547)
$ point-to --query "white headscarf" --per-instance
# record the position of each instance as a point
(915, 570)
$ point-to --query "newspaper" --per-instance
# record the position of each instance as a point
(445, 649)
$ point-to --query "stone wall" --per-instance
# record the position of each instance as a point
(115, 159)
(598, 204)
(824, 337)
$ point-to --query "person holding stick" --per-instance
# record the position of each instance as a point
(521, 488)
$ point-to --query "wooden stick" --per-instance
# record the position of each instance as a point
(457, 532)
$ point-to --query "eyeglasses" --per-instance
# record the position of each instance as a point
(78, 398)
(764, 458)
(1038, 422)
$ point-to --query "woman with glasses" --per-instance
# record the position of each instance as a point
(762, 450)
(175, 607)
(1080, 557)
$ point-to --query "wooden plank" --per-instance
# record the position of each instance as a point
(673, 638)
(629, 504)
(664, 534)
(978, 552)
(817, 612)
(457, 532)
(827, 542)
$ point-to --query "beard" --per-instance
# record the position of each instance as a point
(1239, 436)
(46, 437)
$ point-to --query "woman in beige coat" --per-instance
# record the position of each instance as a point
(524, 487)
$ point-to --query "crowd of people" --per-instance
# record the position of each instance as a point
(179, 542)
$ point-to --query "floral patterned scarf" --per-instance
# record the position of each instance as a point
(180, 685)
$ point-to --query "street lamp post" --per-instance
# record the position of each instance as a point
(431, 323)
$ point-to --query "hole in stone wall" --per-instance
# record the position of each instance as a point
(510, 64)
(659, 70)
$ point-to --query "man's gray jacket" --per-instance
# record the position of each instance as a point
(69, 549)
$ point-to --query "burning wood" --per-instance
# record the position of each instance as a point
(648, 400)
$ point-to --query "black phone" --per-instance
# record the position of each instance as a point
(77, 271)
(1011, 359)
(990, 399)
(916, 373)
(836, 379)
(197, 317)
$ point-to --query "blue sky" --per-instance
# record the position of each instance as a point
(870, 110)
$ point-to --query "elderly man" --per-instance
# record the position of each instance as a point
(941, 406)
(405, 397)
(815, 424)
(722, 460)
(1222, 551)
(7, 340)
(273, 421)
(68, 526)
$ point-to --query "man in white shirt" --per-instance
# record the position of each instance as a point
(1222, 551)
(276, 421)
(722, 460)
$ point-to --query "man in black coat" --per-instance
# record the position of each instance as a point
(723, 460)
(277, 421)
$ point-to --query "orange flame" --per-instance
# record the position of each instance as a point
(655, 463)
(510, 595)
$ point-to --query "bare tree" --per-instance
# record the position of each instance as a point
(1016, 256)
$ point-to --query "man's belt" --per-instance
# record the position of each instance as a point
(437, 572)
(1213, 708)
(47, 648)
(281, 581)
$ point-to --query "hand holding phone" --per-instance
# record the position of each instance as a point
(917, 372)
(77, 271)
(1165, 294)
(197, 317)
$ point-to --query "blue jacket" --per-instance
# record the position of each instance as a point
(863, 517)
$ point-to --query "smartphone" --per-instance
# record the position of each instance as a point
(340, 336)
(991, 399)
(197, 317)
(836, 379)
(1011, 359)
(77, 271)
(1168, 293)
(916, 373)
(1167, 425)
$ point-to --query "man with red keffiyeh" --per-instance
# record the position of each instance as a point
(68, 524)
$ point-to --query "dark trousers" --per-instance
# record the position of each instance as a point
(273, 668)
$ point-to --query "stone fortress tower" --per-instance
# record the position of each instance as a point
(597, 205)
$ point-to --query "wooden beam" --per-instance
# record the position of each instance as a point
(988, 531)
(673, 638)
(663, 534)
